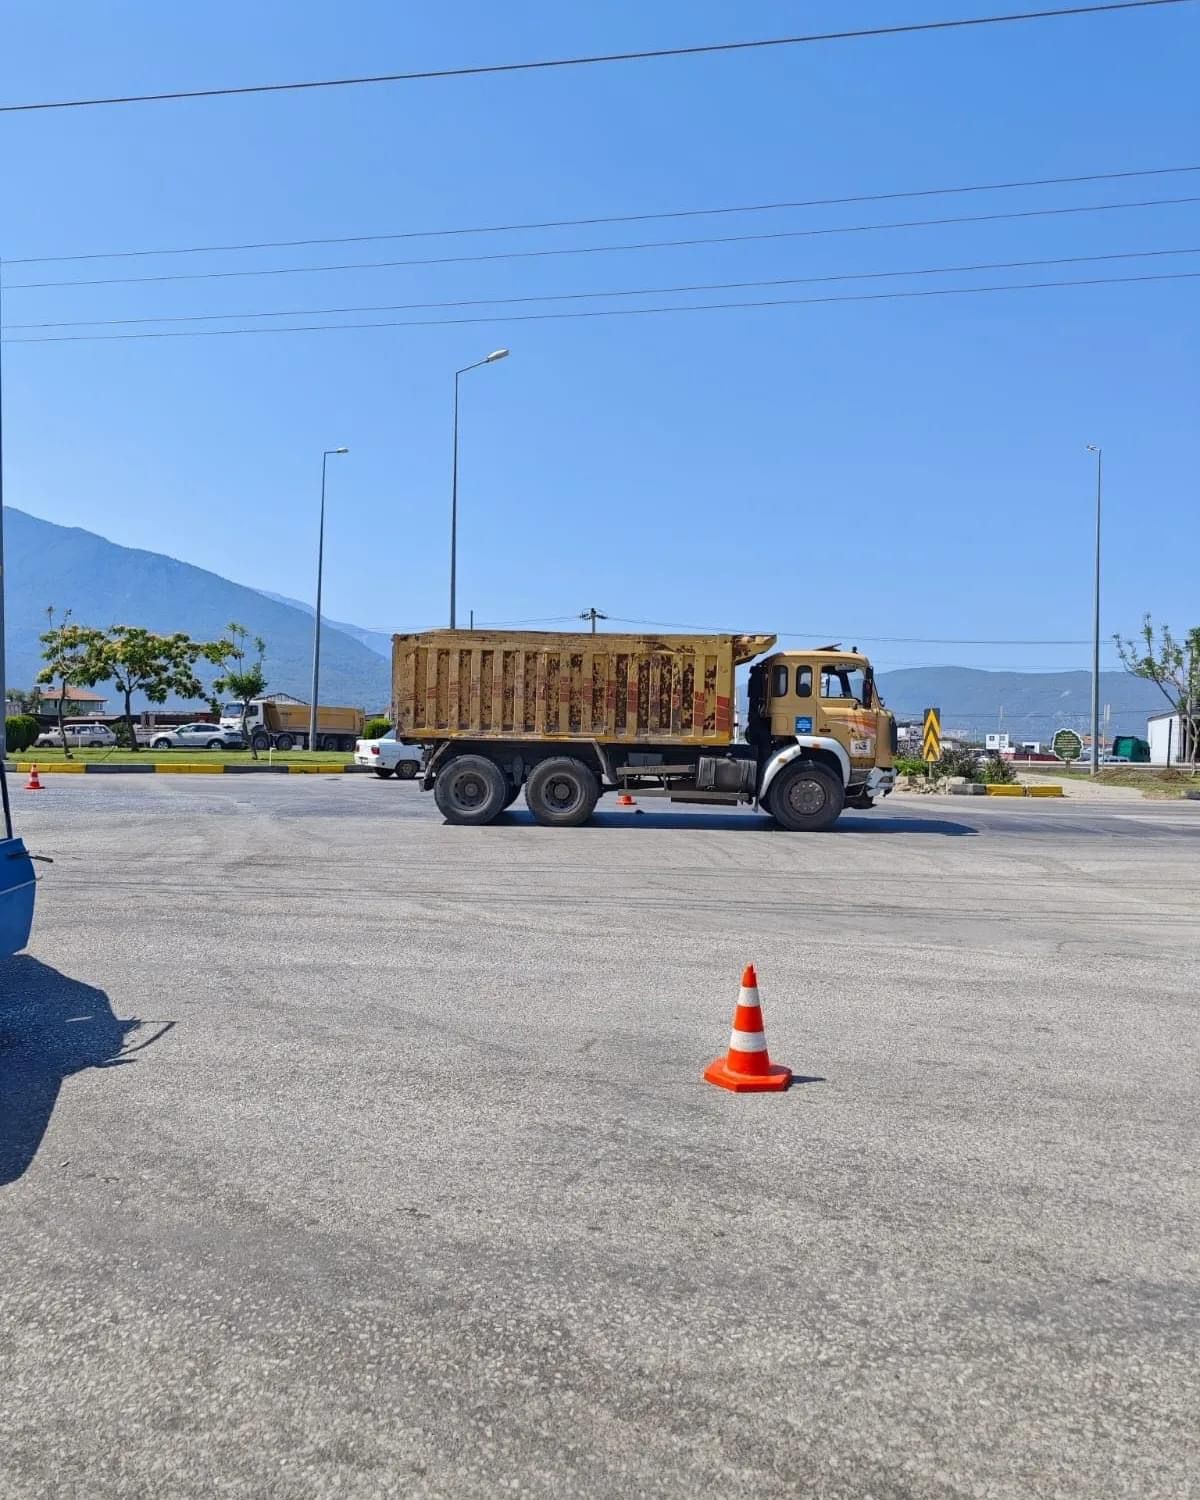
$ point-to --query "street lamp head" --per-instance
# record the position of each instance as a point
(495, 355)
(341, 450)
(1092, 448)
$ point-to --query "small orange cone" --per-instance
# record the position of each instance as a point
(625, 800)
(33, 784)
(747, 1068)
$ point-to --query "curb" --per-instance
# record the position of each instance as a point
(180, 768)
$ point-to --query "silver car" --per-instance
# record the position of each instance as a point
(94, 736)
(196, 737)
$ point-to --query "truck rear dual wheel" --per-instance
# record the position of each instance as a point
(562, 792)
(806, 798)
(470, 790)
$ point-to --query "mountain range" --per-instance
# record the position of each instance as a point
(105, 584)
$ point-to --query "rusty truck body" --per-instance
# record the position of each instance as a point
(566, 717)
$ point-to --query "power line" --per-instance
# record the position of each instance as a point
(729, 239)
(644, 291)
(428, 74)
(827, 635)
(679, 213)
(610, 312)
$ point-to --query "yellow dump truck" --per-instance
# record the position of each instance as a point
(285, 726)
(567, 717)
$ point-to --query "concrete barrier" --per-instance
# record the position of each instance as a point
(1005, 791)
(178, 768)
(1044, 791)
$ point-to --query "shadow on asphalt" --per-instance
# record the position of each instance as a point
(746, 822)
(50, 1028)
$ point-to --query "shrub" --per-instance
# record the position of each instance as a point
(121, 730)
(375, 729)
(958, 763)
(996, 772)
(20, 731)
(909, 765)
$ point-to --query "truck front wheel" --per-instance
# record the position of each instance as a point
(470, 789)
(806, 798)
(561, 792)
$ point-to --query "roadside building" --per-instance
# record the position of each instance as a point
(1168, 737)
(75, 701)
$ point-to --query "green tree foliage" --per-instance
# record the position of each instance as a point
(69, 653)
(1173, 665)
(242, 676)
(375, 729)
(137, 660)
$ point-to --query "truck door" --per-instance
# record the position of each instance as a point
(845, 709)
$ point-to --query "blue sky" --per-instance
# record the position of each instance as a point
(857, 471)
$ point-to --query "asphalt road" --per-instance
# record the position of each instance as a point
(347, 1154)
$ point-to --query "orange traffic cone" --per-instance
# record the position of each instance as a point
(747, 1068)
(625, 800)
(33, 784)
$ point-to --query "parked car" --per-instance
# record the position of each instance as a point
(97, 736)
(388, 757)
(196, 737)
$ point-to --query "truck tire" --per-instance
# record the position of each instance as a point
(863, 801)
(470, 790)
(806, 798)
(260, 741)
(562, 792)
(284, 742)
(406, 770)
(513, 793)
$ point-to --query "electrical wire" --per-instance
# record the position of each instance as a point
(644, 291)
(728, 239)
(827, 635)
(428, 74)
(679, 213)
(609, 312)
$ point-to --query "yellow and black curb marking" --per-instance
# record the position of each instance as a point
(178, 768)
(974, 790)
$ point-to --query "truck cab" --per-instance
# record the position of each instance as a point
(823, 706)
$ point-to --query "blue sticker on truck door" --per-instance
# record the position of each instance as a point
(803, 725)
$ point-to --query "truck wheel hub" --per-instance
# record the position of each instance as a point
(807, 797)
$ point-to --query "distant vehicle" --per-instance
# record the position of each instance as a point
(1131, 749)
(285, 726)
(93, 736)
(196, 737)
(388, 757)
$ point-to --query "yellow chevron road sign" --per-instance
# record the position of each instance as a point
(931, 735)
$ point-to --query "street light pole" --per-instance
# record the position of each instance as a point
(316, 680)
(1093, 448)
(489, 360)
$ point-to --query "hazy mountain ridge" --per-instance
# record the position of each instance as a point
(106, 584)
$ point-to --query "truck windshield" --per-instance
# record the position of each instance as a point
(844, 681)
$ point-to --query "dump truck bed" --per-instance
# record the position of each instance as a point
(549, 685)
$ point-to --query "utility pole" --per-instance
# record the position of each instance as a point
(1093, 448)
(593, 615)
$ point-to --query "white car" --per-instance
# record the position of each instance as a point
(196, 737)
(96, 736)
(388, 757)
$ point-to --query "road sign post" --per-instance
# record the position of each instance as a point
(931, 738)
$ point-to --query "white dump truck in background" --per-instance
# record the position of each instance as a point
(271, 724)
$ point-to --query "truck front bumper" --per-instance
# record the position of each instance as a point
(880, 782)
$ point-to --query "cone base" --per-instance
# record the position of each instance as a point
(773, 1081)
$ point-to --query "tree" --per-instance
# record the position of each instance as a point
(243, 676)
(139, 661)
(68, 651)
(1174, 667)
